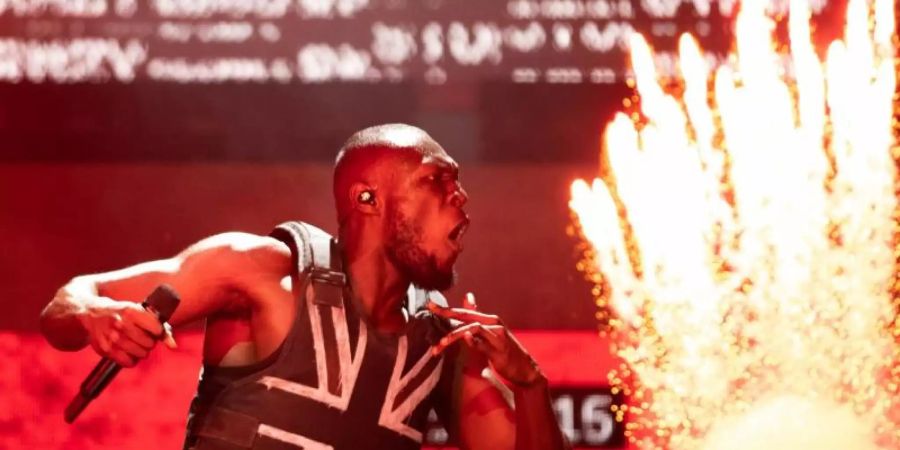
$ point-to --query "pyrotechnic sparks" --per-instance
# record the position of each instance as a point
(747, 240)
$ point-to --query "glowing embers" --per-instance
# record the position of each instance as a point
(742, 243)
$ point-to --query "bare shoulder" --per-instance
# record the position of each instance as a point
(247, 249)
(239, 242)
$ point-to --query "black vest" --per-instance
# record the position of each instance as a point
(334, 383)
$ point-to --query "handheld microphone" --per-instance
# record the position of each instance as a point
(162, 302)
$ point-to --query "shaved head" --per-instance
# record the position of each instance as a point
(363, 157)
(392, 135)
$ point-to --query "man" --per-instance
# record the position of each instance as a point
(317, 343)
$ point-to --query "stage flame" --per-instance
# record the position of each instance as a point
(742, 239)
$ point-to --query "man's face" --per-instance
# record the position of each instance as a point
(426, 221)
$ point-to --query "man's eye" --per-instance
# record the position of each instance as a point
(439, 177)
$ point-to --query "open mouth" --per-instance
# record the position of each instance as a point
(457, 233)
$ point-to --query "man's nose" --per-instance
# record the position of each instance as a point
(459, 197)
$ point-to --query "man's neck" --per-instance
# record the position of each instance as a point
(377, 286)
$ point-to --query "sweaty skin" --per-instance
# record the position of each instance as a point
(400, 210)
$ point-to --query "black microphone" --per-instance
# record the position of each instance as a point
(161, 302)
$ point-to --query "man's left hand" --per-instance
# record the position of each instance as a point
(486, 334)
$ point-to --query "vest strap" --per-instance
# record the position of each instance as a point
(229, 426)
(319, 259)
(328, 276)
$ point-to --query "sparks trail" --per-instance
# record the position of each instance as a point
(761, 212)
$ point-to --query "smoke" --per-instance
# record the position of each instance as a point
(793, 423)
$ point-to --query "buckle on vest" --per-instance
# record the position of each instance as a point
(327, 276)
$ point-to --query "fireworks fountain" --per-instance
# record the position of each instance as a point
(742, 237)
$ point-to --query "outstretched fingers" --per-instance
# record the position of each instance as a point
(483, 337)
(469, 301)
(463, 314)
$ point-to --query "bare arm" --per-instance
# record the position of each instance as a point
(103, 310)
(478, 413)
(536, 425)
(65, 320)
(485, 414)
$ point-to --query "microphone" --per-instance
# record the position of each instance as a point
(162, 302)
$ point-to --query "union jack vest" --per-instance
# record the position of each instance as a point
(334, 383)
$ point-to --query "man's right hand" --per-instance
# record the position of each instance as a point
(95, 308)
(123, 331)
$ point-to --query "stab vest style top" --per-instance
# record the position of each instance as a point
(334, 383)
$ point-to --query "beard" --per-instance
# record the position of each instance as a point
(405, 251)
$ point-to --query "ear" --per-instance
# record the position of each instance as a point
(365, 199)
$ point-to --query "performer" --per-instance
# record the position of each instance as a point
(320, 343)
